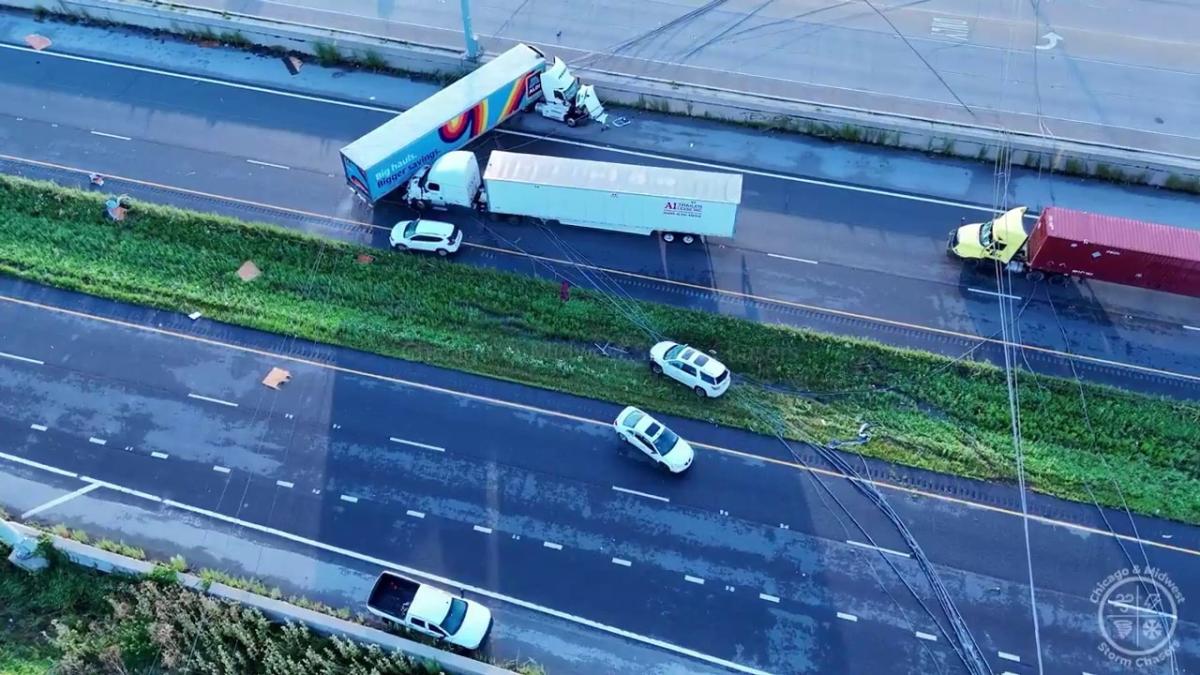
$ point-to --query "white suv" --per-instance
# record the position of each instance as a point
(653, 438)
(702, 373)
(426, 235)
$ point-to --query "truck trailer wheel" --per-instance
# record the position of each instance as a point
(688, 239)
(668, 237)
(1035, 275)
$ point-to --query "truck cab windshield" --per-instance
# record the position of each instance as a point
(454, 618)
(572, 91)
(985, 234)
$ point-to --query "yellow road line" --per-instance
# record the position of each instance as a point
(585, 420)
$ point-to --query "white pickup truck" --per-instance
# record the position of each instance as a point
(429, 610)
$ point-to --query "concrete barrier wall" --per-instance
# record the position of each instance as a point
(277, 610)
(1123, 165)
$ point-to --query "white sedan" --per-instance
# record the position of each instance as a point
(426, 235)
(653, 438)
(702, 373)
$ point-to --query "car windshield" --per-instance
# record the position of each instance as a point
(454, 618)
(985, 234)
(411, 228)
(666, 442)
(674, 351)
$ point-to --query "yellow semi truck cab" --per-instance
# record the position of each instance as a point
(1001, 238)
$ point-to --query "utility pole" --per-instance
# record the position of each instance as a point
(468, 33)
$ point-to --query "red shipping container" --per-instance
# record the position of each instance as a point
(1120, 250)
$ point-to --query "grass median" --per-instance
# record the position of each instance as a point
(927, 410)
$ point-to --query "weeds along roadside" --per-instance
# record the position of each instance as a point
(927, 411)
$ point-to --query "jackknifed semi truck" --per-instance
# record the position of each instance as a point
(674, 203)
(1064, 243)
(521, 79)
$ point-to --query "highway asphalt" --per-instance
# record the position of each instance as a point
(521, 494)
(868, 263)
(1104, 71)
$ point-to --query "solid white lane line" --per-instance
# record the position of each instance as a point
(550, 544)
(769, 598)
(220, 469)
(485, 530)
(285, 484)
(38, 427)
(210, 399)
(63, 499)
(877, 548)
(788, 257)
(1141, 610)
(1187, 327)
(416, 444)
(106, 135)
(640, 494)
(122, 489)
(273, 166)
(38, 465)
(622, 562)
(994, 294)
(1009, 657)
(927, 636)
(694, 580)
(14, 357)
(159, 455)
(415, 514)
(348, 498)
(847, 617)
(97, 441)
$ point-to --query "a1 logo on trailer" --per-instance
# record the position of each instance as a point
(684, 209)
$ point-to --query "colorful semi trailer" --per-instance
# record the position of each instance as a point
(519, 79)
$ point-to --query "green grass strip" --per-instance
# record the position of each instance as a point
(927, 411)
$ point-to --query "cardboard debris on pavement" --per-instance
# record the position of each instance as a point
(249, 271)
(276, 377)
(195, 315)
(37, 42)
(293, 64)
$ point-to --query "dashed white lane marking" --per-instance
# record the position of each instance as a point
(285, 484)
(159, 455)
(210, 399)
(622, 562)
(1142, 610)
(97, 441)
(107, 135)
(38, 465)
(38, 427)
(847, 617)
(220, 469)
(23, 359)
(694, 580)
(1009, 657)
(878, 548)
(550, 544)
(416, 444)
(270, 164)
(788, 257)
(348, 498)
(415, 514)
(61, 500)
(994, 294)
(769, 598)
(927, 636)
(647, 495)
(1187, 327)
(485, 530)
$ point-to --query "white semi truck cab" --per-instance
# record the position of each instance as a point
(564, 99)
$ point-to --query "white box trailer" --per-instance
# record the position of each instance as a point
(620, 197)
